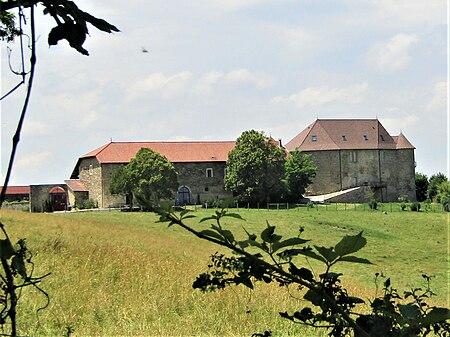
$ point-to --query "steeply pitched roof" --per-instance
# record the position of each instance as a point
(346, 134)
(16, 189)
(176, 152)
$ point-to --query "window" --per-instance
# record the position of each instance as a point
(209, 172)
(354, 181)
(353, 157)
(366, 138)
(314, 138)
(344, 138)
(382, 138)
(206, 189)
(91, 169)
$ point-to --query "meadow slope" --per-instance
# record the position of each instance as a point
(116, 273)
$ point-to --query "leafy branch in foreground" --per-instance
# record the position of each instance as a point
(269, 257)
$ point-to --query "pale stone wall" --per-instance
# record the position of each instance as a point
(110, 200)
(202, 187)
(398, 171)
(328, 172)
(390, 172)
(90, 174)
(39, 194)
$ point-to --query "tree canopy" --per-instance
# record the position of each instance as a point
(299, 171)
(259, 170)
(433, 183)
(148, 177)
(255, 168)
(421, 186)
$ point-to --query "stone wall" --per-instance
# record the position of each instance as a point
(328, 175)
(90, 174)
(39, 194)
(203, 188)
(391, 173)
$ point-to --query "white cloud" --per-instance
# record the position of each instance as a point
(36, 128)
(393, 54)
(244, 76)
(170, 86)
(396, 124)
(314, 96)
(34, 161)
(440, 98)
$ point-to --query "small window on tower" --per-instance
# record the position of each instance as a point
(314, 138)
(344, 138)
(366, 138)
(382, 138)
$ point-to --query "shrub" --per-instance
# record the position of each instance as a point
(415, 206)
(373, 204)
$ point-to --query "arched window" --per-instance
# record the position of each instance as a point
(183, 196)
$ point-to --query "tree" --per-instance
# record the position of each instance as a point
(434, 182)
(255, 168)
(443, 194)
(299, 171)
(148, 177)
(421, 186)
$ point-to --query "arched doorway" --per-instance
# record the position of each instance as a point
(58, 199)
(183, 196)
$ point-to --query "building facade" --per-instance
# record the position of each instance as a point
(358, 152)
(200, 167)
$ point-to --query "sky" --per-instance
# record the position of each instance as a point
(217, 68)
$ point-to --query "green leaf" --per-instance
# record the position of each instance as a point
(6, 249)
(350, 244)
(18, 264)
(306, 252)
(313, 297)
(409, 311)
(212, 217)
(253, 243)
(303, 273)
(227, 234)
(288, 242)
(233, 215)
(354, 259)
(250, 236)
(212, 234)
(268, 235)
(327, 253)
(436, 315)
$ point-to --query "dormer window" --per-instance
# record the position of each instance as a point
(314, 138)
(344, 138)
(382, 138)
(366, 138)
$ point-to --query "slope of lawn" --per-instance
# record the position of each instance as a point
(118, 273)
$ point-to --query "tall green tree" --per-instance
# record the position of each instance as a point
(434, 182)
(299, 172)
(255, 168)
(443, 194)
(149, 177)
(421, 186)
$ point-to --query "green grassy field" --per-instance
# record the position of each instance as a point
(123, 274)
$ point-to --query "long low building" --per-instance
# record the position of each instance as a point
(348, 153)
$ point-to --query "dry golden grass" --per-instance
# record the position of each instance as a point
(119, 274)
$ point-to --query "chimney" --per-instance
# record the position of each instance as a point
(279, 142)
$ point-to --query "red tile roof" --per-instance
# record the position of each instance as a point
(16, 190)
(176, 152)
(351, 134)
(76, 185)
